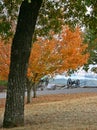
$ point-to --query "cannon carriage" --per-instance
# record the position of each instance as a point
(73, 83)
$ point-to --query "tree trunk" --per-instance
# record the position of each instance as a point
(20, 52)
(34, 91)
(29, 94)
(29, 91)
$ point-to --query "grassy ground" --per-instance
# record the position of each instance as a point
(60, 112)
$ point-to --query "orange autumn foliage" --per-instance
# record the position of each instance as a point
(4, 60)
(53, 56)
(57, 55)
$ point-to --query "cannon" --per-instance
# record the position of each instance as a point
(73, 83)
(43, 83)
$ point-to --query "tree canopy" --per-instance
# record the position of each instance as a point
(63, 52)
(57, 55)
(5, 50)
(52, 15)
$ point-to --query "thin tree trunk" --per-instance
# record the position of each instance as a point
(20, 52)
(29, 91)
(34, 85)
(34, 91)
(29, 95)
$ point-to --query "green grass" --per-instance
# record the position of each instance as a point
(3, 83)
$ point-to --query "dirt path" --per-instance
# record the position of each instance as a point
(60, 91)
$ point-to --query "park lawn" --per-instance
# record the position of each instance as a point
(60, 112)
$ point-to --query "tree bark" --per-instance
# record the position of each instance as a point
(34, 91)
(20, 52)
(29, 95)
(29, 90)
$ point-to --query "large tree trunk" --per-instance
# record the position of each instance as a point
(20, 52)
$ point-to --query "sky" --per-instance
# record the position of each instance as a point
(81, 73)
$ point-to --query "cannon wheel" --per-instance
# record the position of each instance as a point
(69, 83)
(77, 83)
